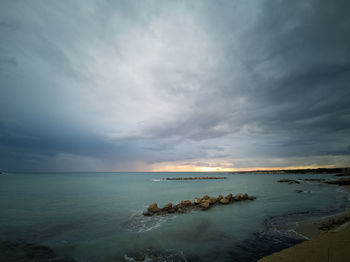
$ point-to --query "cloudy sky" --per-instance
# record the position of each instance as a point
(174, 85)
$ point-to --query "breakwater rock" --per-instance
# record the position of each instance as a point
(313, 179)
(340, 182)
(196, 178)
(203, 203)
(290, 181)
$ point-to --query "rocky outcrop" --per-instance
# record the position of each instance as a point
(203, 203)
(195, 178)
(340, 182)
(313, 179)
(342, 174)
(152, 209)
(290, 181)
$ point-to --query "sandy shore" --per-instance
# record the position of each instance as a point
(329, 241)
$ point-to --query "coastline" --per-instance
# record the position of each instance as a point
(328, 240)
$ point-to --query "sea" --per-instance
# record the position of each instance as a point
(90, 217)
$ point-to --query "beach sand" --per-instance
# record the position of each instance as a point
(329, 241)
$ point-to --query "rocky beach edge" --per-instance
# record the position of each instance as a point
(329, 240)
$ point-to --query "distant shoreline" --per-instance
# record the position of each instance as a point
(195, 178)
(298, 171)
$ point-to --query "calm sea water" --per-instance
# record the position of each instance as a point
(98, 216)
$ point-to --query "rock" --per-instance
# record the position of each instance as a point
(290, 181)
(342, 174)
(176, 207)
(314, 179)
(237, 197)
(294, 182)
(229, 196)
(213, 200)
(167, 207)
(186, 203)
(205, 205)
(206, 197)
(153, 208)
(340, 182)
(224, 201)
(197, 201)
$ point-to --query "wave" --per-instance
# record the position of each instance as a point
(139, 223)
(157, 180)
(278, 233)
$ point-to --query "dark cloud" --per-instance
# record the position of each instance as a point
(121, 85)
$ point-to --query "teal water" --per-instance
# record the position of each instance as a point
(98, 216)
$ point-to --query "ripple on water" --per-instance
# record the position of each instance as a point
(139, 223)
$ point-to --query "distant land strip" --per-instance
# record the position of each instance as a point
(196, 178)
(345, 170)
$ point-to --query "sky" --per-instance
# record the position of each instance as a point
(174, 85)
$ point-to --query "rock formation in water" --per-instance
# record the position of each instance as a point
(290, 181)
(340, 182)
(203, 203)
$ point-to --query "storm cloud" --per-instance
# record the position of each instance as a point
(140, 85)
